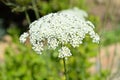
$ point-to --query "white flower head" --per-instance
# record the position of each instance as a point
(23, 37)
(64, 52)
(64, 27)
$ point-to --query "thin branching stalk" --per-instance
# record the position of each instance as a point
(65, 69)
(35, 9)
(102, 33)
(105, 18)
(27, 17)
(99, 59)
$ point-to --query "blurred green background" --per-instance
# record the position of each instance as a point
(89, 61)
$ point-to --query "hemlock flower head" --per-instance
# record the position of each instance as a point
(61, 28)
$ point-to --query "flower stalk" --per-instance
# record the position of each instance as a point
(27, 17)
(35, 9)
(65, 69)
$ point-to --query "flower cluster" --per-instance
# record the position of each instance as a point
(64, 27)
(75, 11)
(64, 52)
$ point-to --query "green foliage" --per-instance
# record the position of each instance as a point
(44, 6)
(95, 20)
(102, 76)
(55, 5)
(111, 36)
(80, 61)
(21, 63)
(14, 32)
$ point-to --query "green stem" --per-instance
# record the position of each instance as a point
(65, 69)
(35, 9)
(99, 59)
(27, 17)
